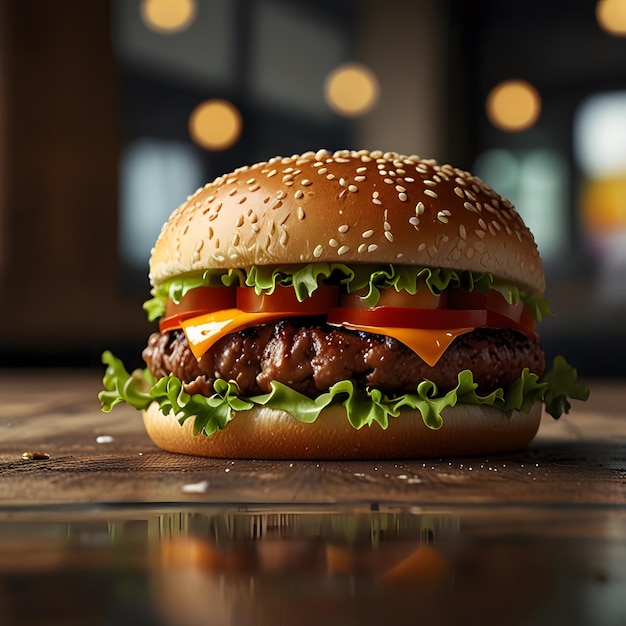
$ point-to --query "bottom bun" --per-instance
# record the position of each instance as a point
(262, 433)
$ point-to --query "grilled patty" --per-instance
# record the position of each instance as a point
(309, 356)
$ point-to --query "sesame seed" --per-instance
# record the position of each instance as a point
(420, 208)
(342, 250)
(305, 182)
(330, 176)
(322, 154)
(322, 170)
(299, 194)
(421, 247)
(462, 232)
(388, 236)
(236, 239)
(280, 194)
(301, 214)
(377, 201)
(333, 243)
(388, 181)
(239, 221)
(272, 173)
(387, 226)
(344, 228)
(362, 248)
(400, 188)
(431, 193)
(360, 170)
(343, 182)
(360, 179)
(459, 192)
(254, 187)
(353, 188)
(402, 197)
(430, 183)
(250, 181)
(372, 247)
(414, 221)
(442, 217)
(367, 234)
(409, 179)
(317, 253)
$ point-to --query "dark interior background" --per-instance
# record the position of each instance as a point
(82, 84)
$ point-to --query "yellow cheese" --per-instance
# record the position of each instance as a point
(427, 343)
(205, 330)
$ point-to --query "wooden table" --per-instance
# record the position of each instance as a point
(579, 459)
(138, 535)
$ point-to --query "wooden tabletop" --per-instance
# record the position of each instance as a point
(109, 529)
(107, 458)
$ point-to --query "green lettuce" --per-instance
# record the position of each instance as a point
(363, 408)
(370, 279)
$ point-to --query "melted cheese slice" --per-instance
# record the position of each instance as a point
(205, 330)
(427, 343)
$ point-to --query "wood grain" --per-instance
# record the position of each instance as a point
(578, 460)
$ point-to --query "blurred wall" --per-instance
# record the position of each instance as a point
(82, 86)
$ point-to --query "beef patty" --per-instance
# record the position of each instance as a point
(309, 356)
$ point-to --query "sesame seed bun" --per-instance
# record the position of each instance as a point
(262, 433)
(351, 207)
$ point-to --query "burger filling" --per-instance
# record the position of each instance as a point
(310, 356)
(301, 338)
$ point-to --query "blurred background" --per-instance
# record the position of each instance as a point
(113, 111)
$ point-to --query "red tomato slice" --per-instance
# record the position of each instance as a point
(283, 299)
(195, 302)
(404, 317)
(440, 319)
(500, 310)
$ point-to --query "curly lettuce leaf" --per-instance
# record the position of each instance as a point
(212, 413)
(305, 279)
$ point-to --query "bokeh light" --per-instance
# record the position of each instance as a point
(168, 16)
(513, 106)
(611, 15)
(351, 89)
(215, 124)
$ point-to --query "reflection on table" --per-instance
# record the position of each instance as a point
(207, 565)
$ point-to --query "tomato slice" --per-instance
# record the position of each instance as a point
(283, 299)
(196, 302)
(422, 299)
(489, 310)
(518, 315)
(404, 317)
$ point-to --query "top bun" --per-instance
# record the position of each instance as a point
(351, 207)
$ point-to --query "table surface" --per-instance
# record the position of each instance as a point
(578, 459)
(122, 532)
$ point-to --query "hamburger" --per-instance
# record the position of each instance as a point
(341, 305)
